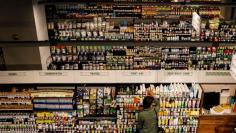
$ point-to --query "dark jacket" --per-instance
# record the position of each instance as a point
(147, 119)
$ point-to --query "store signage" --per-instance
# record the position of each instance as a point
(136, 76)
(187, 73)
(17, 77)
(53, 73)
(217, 73)
(94, 74)
(214, 76)
(173, 73)
(13, 74)
(16, 74)
(136, 73)
(54, 76)
(179, 74)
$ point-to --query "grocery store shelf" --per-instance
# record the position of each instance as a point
(115, 76)
(139, 3)
(114, 43)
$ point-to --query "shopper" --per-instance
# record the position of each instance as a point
(147, 119)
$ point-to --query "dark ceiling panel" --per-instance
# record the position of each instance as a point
(16, 17)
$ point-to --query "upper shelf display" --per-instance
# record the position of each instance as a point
(139, 58)
(149, 2)
(108, 22)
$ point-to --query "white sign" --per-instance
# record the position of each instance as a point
(54, 76)
(136, 76)
(12, 74)
(94, 73)
(196, 22)
(94, 76)
(53, 73)
(177, 76)
(16, 77)
(136, 73)
(233, 67)
(215, 76)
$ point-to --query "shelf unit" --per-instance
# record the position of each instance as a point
(114, 43)
(117, 76)
(233, 4)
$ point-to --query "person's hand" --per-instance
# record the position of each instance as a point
(150, 93)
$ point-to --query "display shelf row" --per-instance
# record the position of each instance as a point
(114, 43)
(97, 110)
(135, 2)
(116, 76)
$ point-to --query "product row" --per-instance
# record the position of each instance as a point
(71, 30)
(204, 1)
(82, 10)
(139, 58)
(74, 22)
(101, 109)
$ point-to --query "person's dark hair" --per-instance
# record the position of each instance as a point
(147, 102)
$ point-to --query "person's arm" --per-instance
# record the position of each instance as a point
(157, 103)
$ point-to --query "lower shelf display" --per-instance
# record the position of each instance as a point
(102, 109)
(15, 122)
